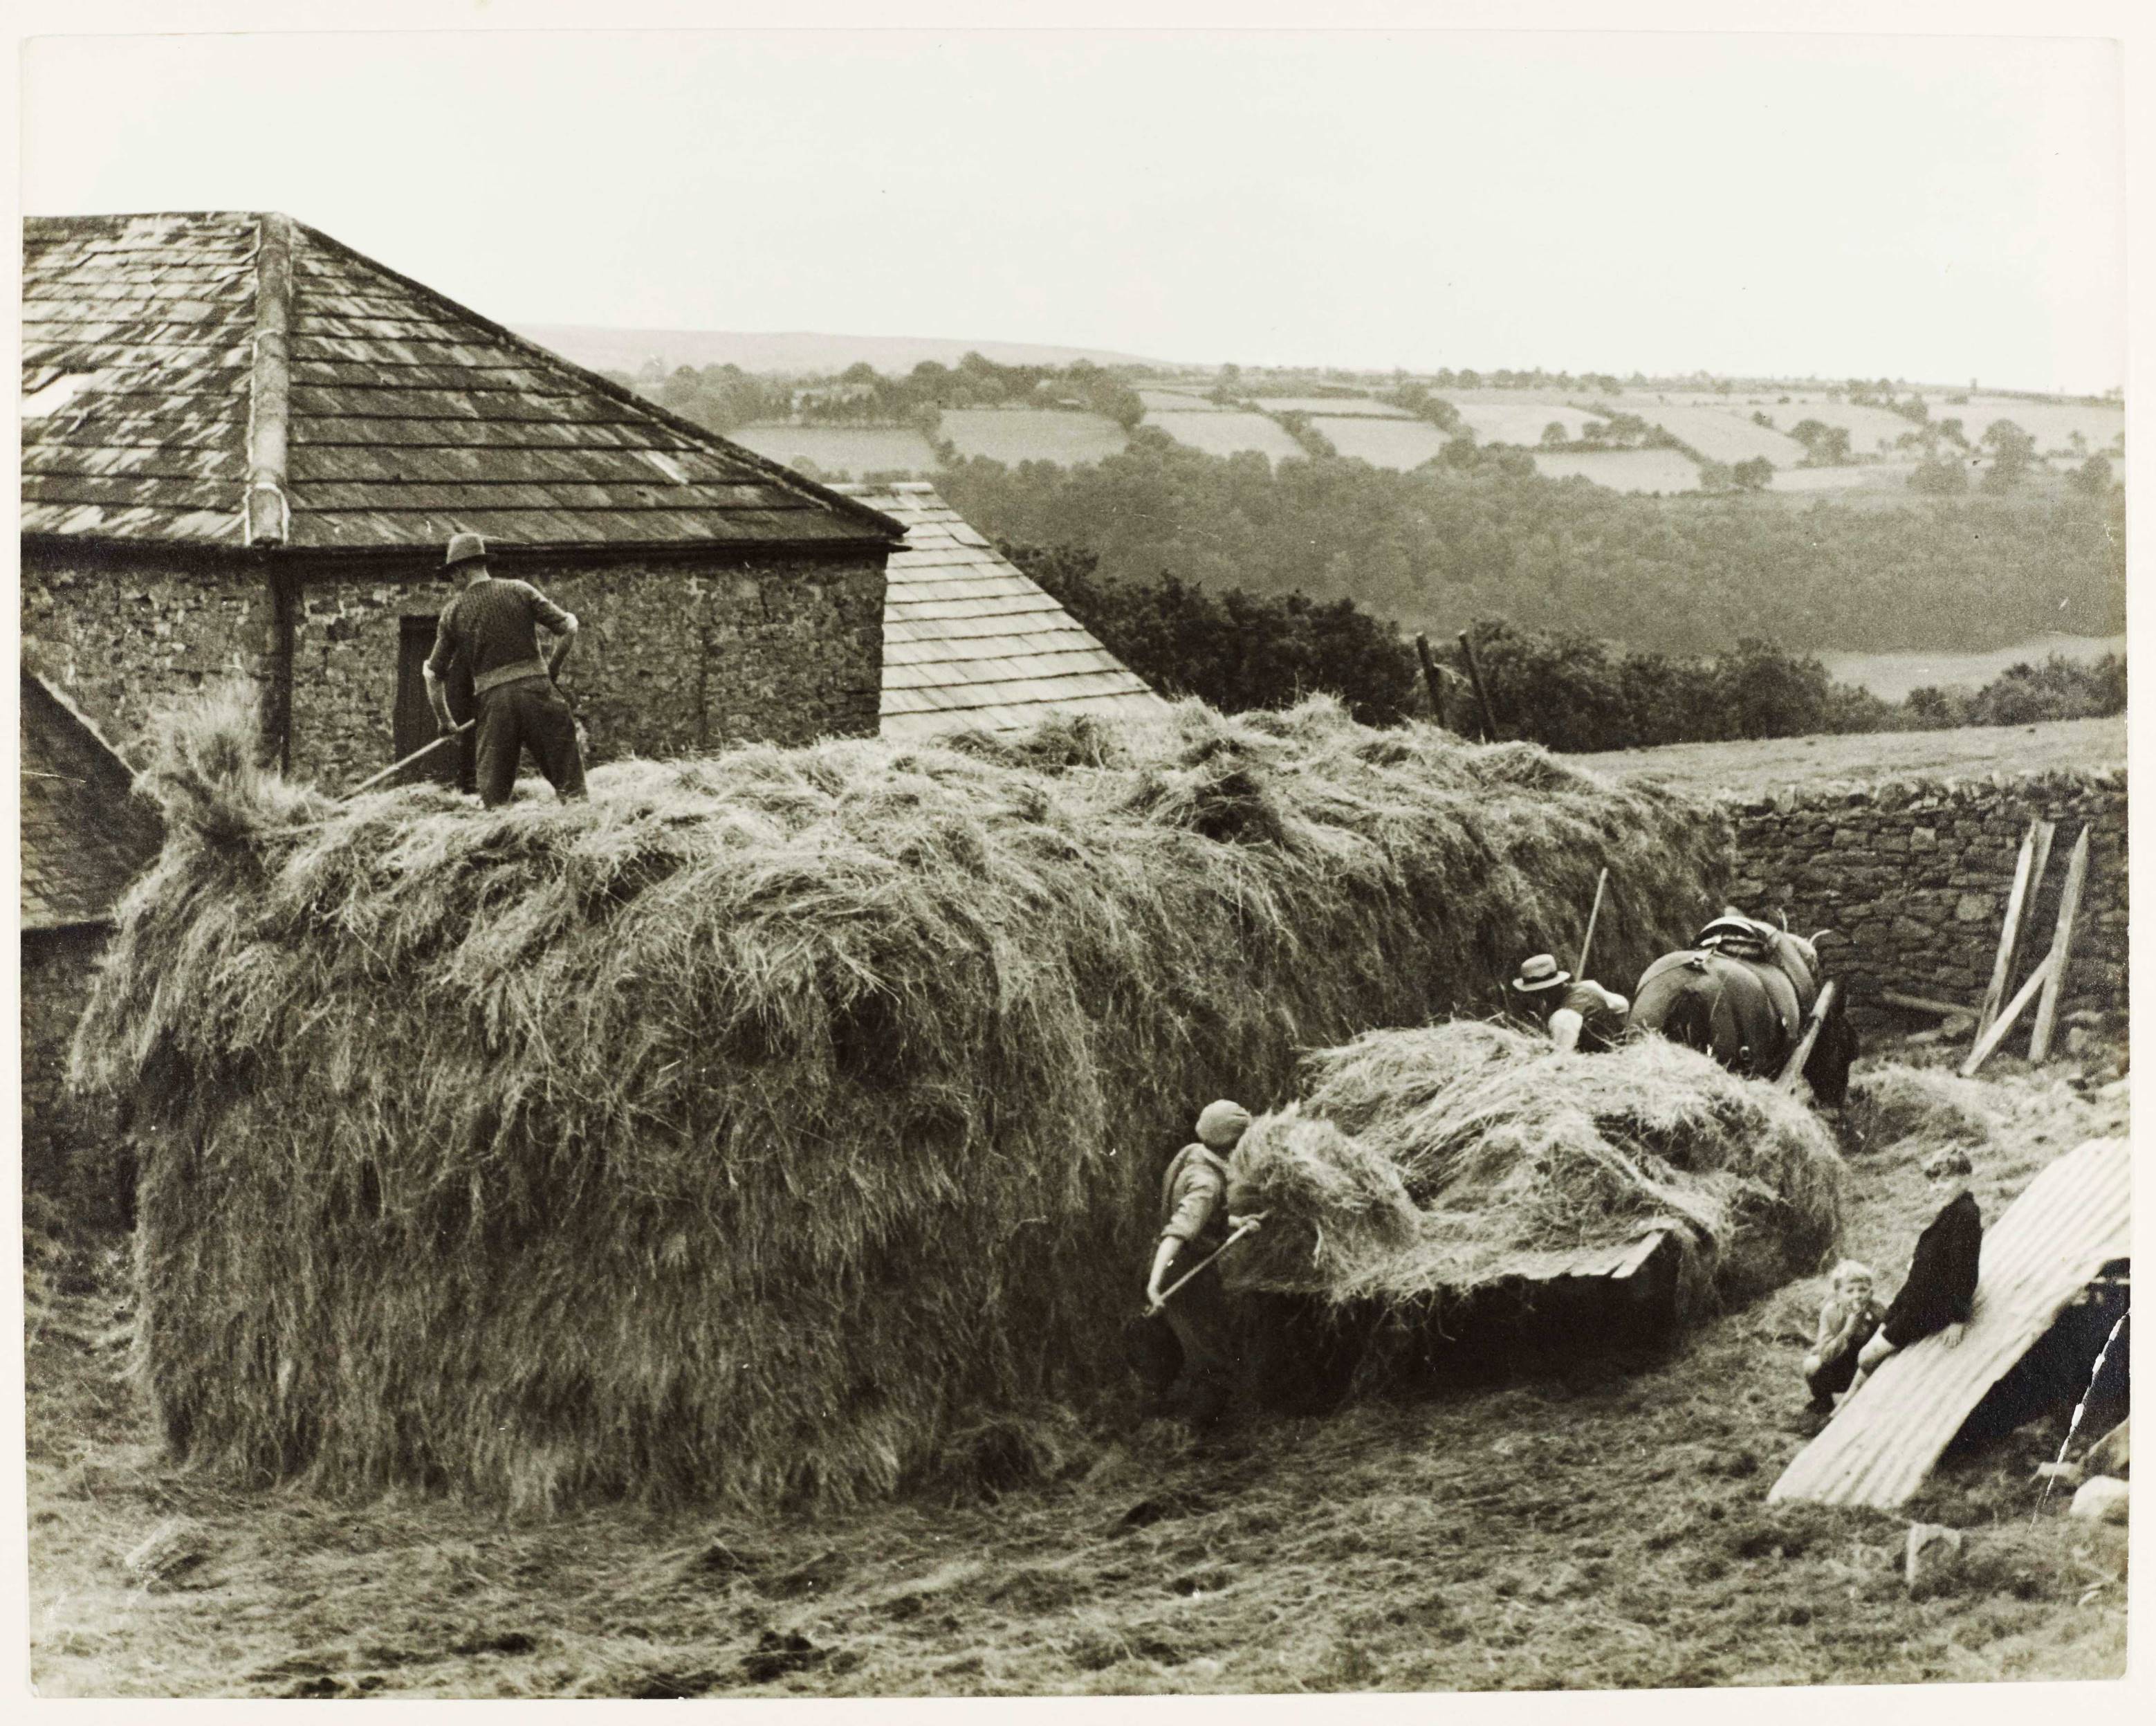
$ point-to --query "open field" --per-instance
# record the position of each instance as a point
(1890, 476)
(1228, 434)
(1360, 406)
(2052, 423)
(794, 353)
(1892, 675)
(1622, 470)
(1176, 401)
(1594, 1530)
(1518, 422)
(1762, 764)
(1016, 434)
(1718, 433)
(842, 451)
(1401, 443)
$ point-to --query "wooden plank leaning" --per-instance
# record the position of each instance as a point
(2028, 873)
(2062, 947)
(1989, 1042)
(1787, 1077)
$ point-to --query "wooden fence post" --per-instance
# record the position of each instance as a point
(2062, 943)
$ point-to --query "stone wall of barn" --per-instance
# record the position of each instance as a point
(1916, 871)
(71, 1150)
(671, 659)
(120, 635)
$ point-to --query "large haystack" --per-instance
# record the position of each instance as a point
(1428, 1165)
(781, 1125)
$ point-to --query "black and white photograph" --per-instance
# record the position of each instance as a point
(878, 856)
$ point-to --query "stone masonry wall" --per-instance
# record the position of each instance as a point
(671, 659)
(121, 637)
(1915, 872)
(71, 1152)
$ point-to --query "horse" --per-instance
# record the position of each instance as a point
(1749, 1011)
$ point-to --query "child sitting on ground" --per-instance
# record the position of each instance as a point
(1846, 1323)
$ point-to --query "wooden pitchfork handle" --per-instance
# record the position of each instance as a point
(1167, 1294)
(417, 754)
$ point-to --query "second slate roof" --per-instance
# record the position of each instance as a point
(84, 836)
(969, 642)
(411, 417)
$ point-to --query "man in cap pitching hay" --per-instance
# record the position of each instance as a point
(1194, 1227)
(491, 627)
(1940, 1292)
(1580, 1016)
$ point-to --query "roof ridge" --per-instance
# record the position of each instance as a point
(270, 386)
(562, 363)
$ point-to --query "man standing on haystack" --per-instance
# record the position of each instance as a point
(1194, 1226)
(1580, 1016)
(491, 627)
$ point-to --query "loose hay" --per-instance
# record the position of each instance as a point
(771, 1125)
(1440, 1161)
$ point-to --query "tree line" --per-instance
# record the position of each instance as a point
(1566, 690)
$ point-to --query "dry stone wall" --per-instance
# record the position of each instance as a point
(68, 1143)
(1916, 873)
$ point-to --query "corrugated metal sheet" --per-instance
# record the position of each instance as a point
(971, 644)
(410, 417)
(2074, 1218)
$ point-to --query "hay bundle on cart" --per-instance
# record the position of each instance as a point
(780, 1125)
(1425, 1173)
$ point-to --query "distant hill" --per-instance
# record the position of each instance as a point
(793, 352)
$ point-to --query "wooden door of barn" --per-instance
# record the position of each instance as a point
(414, 720)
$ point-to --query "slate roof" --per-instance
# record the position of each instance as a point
(83, 838)
(2070, 1222)
(171, 364)
(968, 642)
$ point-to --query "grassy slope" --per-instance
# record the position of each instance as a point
(1605, 1531)
(1764, 765)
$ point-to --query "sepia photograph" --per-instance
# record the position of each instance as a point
(1072, 858)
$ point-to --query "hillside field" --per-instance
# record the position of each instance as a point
(1017, 435)
(1762, 764)
(1603, 1530)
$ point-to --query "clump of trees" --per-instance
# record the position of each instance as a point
(1234, 649)
(2058, 688)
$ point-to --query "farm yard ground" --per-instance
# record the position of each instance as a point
(1763, 764)
(1598, 1530)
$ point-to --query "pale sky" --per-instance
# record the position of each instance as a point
(1927, 208)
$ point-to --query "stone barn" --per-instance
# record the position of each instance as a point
(245, 445)
(85, 837)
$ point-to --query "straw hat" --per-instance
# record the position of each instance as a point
(1538, 974)
(464, 548)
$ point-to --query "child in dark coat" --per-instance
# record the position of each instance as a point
(1940, 1292)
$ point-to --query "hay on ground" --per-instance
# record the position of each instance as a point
(762, 1126)
(1442, 1160)
(1911, 1111)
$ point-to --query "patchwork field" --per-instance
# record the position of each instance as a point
(1361, 405)
(1401, 443)
(1228, 434)
(1892, 675)
(1719, 434)
(1765, 763)
(1017, 435)
(1622, 470)
(1176, 401)
(842, 451)
(1518, 422)
(2052, 423)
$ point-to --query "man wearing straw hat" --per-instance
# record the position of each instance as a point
(1580, 1016)
(491, 626)
(1194, 1227)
